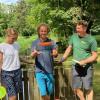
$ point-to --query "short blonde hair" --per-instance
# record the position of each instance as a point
(11, 31)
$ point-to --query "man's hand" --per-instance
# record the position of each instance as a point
(91, 59)
(54, 53)
(35, 53)
(82, 63)
(61, 60)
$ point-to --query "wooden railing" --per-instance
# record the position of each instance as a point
(62, 90)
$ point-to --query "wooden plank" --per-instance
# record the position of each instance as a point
(31, 84)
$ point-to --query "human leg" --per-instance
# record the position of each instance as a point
(13, 98)
(50, 83)
(77, 84)
(87, 83)
(8, 82)
(41, 81)
(89, 94)
(79, 93)
(46, 97)
(18, 81)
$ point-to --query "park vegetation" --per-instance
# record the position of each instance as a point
(61, 15)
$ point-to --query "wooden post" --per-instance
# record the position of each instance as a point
(68, 76)
(56, 76)
(61, 84)
(25, 84)
(31, 84)
(36, 91)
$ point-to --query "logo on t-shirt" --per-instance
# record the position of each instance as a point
(83, 42)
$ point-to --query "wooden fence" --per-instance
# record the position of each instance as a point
(62, 90)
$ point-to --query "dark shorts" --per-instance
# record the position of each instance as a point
(12, 81)
(82, 77)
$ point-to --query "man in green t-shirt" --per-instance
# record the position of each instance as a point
(84, 48)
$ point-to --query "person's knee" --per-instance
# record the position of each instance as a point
(89, 91)
(12, 98)
(46, 97)
(76, 91)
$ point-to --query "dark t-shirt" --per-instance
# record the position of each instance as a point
(44, 61)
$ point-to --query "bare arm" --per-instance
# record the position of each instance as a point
(91, 59)
(1, 60)
(67, 52)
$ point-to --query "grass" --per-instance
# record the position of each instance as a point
(96, 81)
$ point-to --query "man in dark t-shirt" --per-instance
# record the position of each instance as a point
(44, 49)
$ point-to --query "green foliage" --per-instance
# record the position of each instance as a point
(61, 15)
(96, 28)
(73, 15)
(98, 39)
(3, 20)
(25, 43)
(1, 39)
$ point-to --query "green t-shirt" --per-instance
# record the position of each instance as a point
(82, 46)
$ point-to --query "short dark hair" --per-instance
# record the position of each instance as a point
(83, 23)
(43, 24)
